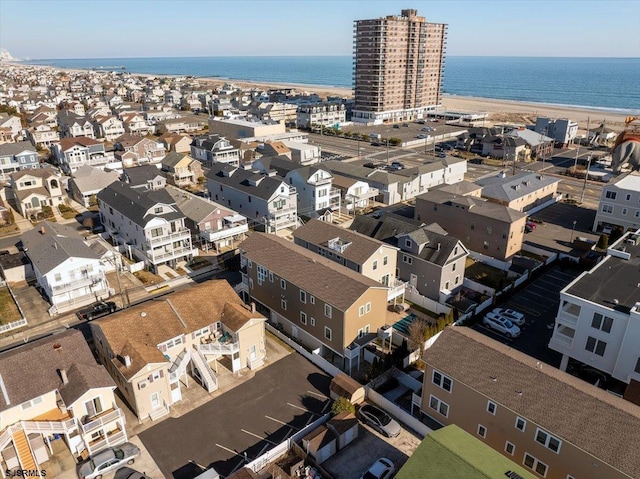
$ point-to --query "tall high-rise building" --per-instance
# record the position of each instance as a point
(398, 67)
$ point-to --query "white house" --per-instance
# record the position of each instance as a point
(620, 203)
(68, 272)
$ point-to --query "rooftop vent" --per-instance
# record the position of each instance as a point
(57, 346)
(143, 314)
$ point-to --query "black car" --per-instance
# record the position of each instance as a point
(97, 310)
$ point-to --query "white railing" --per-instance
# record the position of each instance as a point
(180, 365)
(562, 339)
(219, 348)
(206, 373)
(396, 289)
(112, 440)
(177, 252)
(102, 420)
(13, 325)
(48, 426)
(224, 232)
(7, 436)
(177, 236)
(77, 284)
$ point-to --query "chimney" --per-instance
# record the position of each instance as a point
(63, 376)
(42, 230)
(438, 246)
(127, 361)
(253, 307)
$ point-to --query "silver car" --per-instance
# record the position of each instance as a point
(380, 420)
(502, 324)
(108, 460)
(512, 315)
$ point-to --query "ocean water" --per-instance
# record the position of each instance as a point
(606, 83)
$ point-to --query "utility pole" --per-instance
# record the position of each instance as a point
(387, 150)
(584, 186)
(575, 163)
(588, 118)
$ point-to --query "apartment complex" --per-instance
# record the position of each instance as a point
(325, 305)
(598, 320)
(620, 203)
(399, 61)
(553, 424)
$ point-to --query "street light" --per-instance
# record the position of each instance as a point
(586, 175)
(573, 230)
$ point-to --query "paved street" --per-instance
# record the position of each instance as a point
(539, 302)
(249, 419)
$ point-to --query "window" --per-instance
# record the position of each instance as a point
(454, 267)
(521, 424)
(407, 259)
(283, 304)
(157, 210)
(611, 195)
(312, 299)
(283, 284)
(303, 296)
(489, 230)
(361, 311)
(313, 321)
(482, 431)
(368, 307)
(94, 406)
(491, 407)
(637, 368)
(596, 346)
(385, 260)
(441, 380)
(535, 465)
(262, 274)
(439, 406)
(327, 333)
(485, 245)
(624, 212)
(548, 441)
(473, 226)
(509, 448)
(270, 277)
(607, 209)
(303, 317)
(327, 310)
(603, 323)
(407, 243)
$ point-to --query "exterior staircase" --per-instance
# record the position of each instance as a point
(207, 375)
(24, 451)
(179, 367)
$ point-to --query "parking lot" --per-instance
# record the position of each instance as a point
(352, 461)
(539, 302)
(244, 422)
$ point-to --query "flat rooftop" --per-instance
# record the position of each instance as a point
(615, 282)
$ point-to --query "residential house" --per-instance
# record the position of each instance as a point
(235, 128)
(43, 115)
(212, 225)
(43, 135)
(176, 142)
(181, 170)
(71, 125)
(619, 203)
(598, 317)
(523, 191)
(147, 222)
(264, 199)
(183, 124)
(11, 125)
(274, 148)
(72, 153)
(87, 182)
(304, 153)
(17, 156)
(431, 261)
(108, 127)
(356, 194)
(321, 114)
(134, 123)
(508, 148)
(146, 177)
(324, 305)
(151, 349)
(562, 130)
(134, 150)
(363, 254)
(52, 387)
(210, 149)
(541, 146)
(33, 189)
(67, 271)
(536, 415)
(483, 226)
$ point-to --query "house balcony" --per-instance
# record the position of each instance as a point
(102, 419)
(276, 213)
(562, 337)
(226, 232)
(220, 347)
(114, 438)
(99, 160)
(396, 289)
(157, 256)
(180, 235)
(94, 280)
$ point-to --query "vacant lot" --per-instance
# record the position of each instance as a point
(8, 310)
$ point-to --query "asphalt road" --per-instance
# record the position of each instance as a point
(247, 420)
(539, 302)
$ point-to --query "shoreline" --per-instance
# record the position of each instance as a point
(499, 110)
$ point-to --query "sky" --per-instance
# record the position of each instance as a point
(157, 28)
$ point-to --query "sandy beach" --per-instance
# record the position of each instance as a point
(500, 111)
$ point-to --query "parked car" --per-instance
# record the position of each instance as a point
(128, 473)
(383, 468)
(4, 252)
(531, 224)
(396, 126)
(442, 154)
(108, 460)
(405, 124)
(396, 165)
(96, 310)
(501, 324)
(379, 420)
(516, 317)
(421, 136)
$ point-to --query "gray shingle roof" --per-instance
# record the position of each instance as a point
(510, 188)
(194, 207)
(591, 419)
(141, 175)
(34, 369)
(239, 179)
(385, 228)
(88, 179)
(13, 149)
(474, 206)
(49, 244)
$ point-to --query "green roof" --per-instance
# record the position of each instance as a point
(452, 452)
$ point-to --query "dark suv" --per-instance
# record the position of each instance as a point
(97, 310)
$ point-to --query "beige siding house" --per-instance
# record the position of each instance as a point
(325, 305)
(550, 422)
(151, 349)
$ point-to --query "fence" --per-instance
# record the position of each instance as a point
(14, 325)
(544, 205)
(480, 288)
(550, 255)
(412, 295)
(134, 267)
(396, 411)
(496, 263)
(316, 359)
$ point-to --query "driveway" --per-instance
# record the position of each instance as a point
(558, 229)
(242, 423)
(539, 302)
